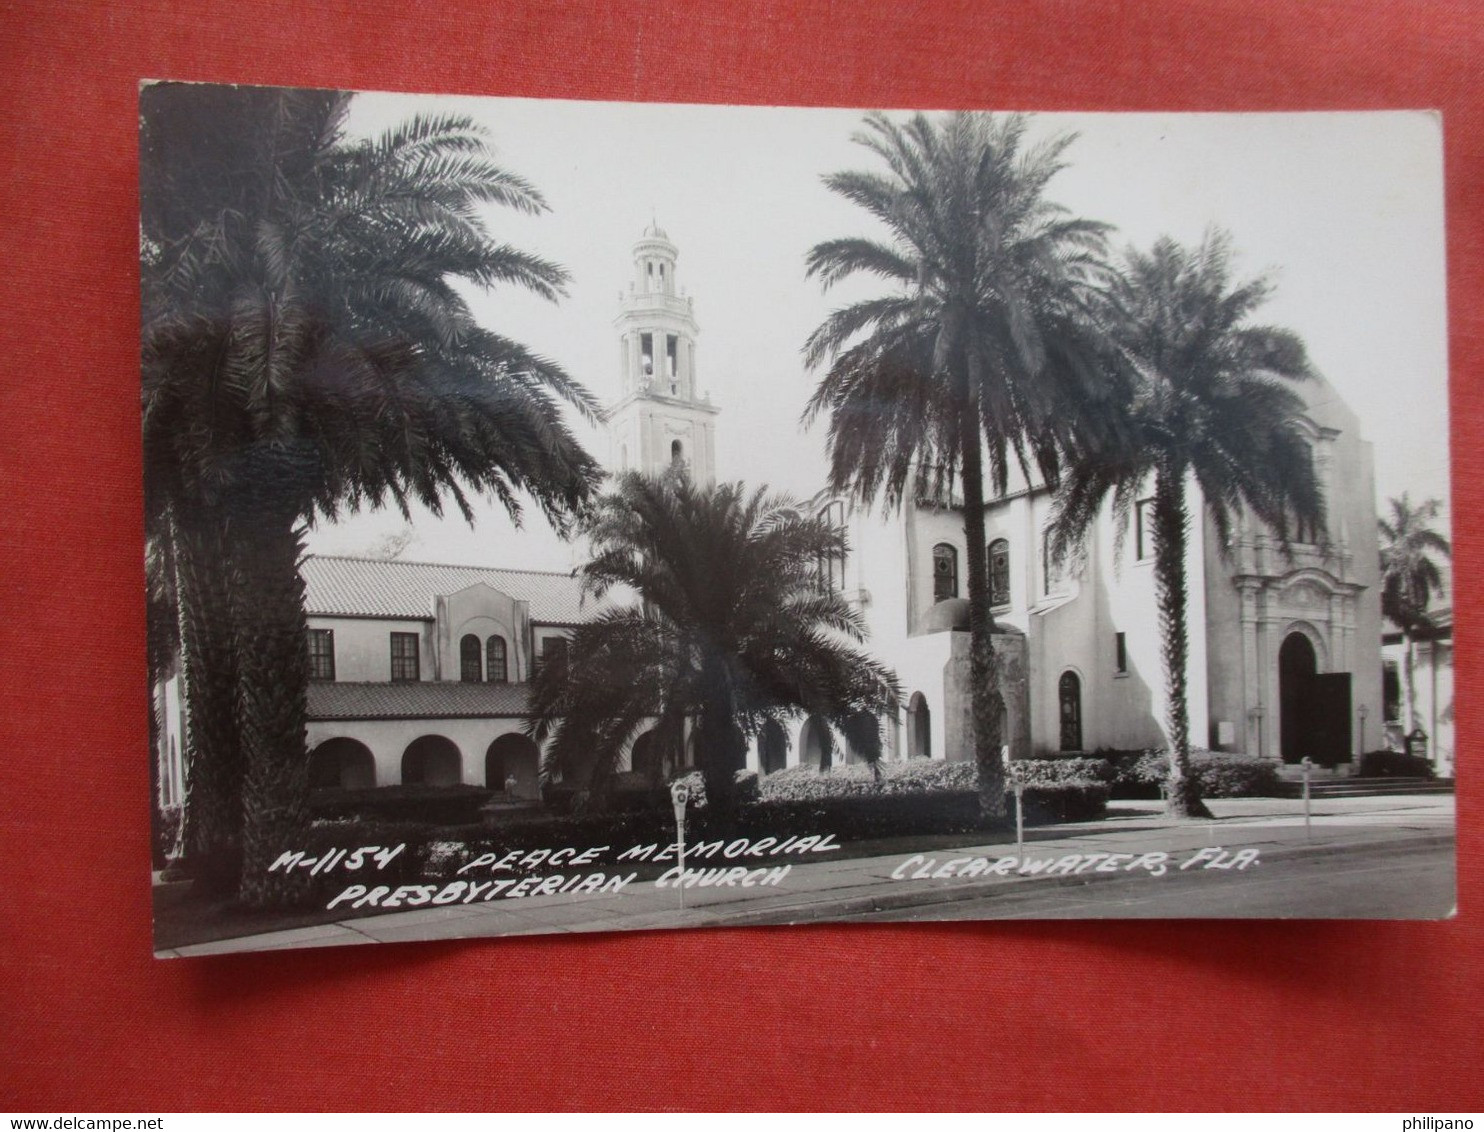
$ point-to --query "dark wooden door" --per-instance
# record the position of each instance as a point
(1329, 717)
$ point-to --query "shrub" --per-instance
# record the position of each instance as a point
(1217, 775)
(857, 815)
(1043, 772)
(436, 805)
(1223, 775)
(746, 788)
(1073, 800)
(918, 776)
(919, 797)
(1393, 764)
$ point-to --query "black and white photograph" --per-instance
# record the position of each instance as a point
(586, 517)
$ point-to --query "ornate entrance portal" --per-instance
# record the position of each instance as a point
(1314, 707)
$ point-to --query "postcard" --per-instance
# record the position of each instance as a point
(585, 517)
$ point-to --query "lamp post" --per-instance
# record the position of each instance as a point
(1254, 716)
(1362, 712)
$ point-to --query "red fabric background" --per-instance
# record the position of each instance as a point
(1165, 1015)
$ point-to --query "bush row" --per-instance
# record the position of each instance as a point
(436, 805)
(917, 801)
(1140, 774)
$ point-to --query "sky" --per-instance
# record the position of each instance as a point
(1342, 211)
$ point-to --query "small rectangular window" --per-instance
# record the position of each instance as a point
(404, 657)
(321, 654)
(646, 354)
(1120, 651)
(672, 347)
(1144, 530)
(551, 647)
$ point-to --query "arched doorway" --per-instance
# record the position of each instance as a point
(342, 764)
(644, 758)
(815, 744)
(772, 747)
(513, 756)
(1069, 697)
(432, 761)
(1314, 717)
(919, 728)
(1297, 667)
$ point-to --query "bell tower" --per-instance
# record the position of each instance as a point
(659, 419)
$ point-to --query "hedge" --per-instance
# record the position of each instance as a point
(435, 805)
(1140, 774)
(1044, 772)
(923, 796)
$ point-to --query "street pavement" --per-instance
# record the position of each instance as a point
(1372, 857)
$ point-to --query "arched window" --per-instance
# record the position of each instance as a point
(677, 452)
(495, 669)
(945, 572)
(999, 572)
(919, 728)
(1305, 530)
(469, 671)
(1069, 693)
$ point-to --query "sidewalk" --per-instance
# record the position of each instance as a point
(823, 888)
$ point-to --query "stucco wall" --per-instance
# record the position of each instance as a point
(363, 647)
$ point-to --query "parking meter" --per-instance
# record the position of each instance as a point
(679, 796)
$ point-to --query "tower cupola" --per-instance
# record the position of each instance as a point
(660, 418)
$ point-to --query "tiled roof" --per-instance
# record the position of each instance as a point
(424, 699)
(372, 587)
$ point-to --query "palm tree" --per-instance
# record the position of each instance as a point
(732, 629)
(306, 350)
(980, 349)
(1212, 400)
(1410, 577)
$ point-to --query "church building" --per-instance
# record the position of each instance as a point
(420, 672)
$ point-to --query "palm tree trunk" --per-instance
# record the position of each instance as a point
(208, 675)
(983, 694)
(721, 746)
(1171, 522)
(273, 704)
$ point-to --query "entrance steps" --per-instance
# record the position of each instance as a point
(1324, 787)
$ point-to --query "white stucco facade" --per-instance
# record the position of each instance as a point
(1091, 628)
